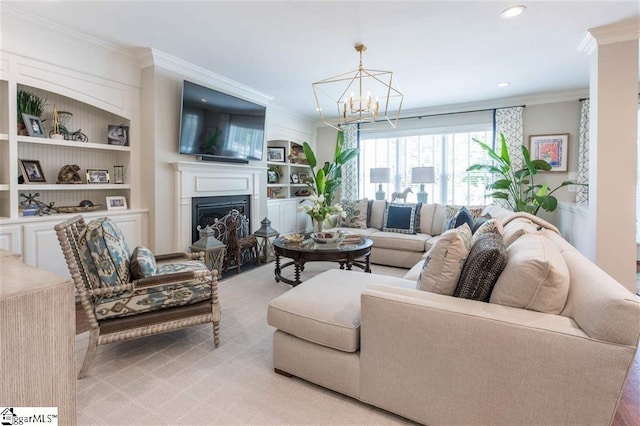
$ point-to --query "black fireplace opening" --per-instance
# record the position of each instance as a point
(205, 210)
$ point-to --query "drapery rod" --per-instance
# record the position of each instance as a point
(585, 99)
(458, 112)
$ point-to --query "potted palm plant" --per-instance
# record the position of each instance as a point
(30, 104)
(518, 188)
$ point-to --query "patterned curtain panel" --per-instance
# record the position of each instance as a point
(509, 122)
(349, 188)
(582, 196)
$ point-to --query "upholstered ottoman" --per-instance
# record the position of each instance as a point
(318, 322)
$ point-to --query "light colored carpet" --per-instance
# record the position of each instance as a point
(180, 378)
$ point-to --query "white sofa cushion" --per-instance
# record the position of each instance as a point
(394, 240)
(445, 260)
(536, 276)
(326, 309)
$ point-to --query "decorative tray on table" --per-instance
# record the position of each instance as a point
(329, 238)
(293, 238)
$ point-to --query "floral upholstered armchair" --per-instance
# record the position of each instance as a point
(129, 295)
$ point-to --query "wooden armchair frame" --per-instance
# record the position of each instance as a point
(138, 325)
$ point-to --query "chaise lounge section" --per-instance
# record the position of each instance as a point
(438, 359)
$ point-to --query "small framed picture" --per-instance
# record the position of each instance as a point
(551, 148)
(276, 154)
(118, 135)
(303, 177)
(116, 203)
(295, 178)
(31, 171)
(33, 125)
(272, 176)
(97, 176)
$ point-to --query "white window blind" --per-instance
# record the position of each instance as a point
(450, 153)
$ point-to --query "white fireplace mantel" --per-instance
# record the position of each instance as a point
(199, 179)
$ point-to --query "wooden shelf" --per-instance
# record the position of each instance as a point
(71, 187)
(72, 144)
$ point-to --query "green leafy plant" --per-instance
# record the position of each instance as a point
(29, 103)
(517, 187)
(327, 179)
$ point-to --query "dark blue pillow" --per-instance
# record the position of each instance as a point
(463, 216)
(402, 218)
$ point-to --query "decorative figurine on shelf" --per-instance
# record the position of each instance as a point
(31, 206)
(56, 133)
(401, 195)
(69, 174)
(63, 118)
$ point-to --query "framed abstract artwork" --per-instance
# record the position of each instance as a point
(551, 148)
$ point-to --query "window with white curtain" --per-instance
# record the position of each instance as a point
(450, 152)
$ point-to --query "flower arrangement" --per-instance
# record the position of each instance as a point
(319, 209)
(324, 182)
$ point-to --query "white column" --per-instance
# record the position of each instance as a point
(613, 148)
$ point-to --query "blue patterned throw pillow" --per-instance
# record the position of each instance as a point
(401, 218)
(460, 218)
(104, 253)
(143, 263)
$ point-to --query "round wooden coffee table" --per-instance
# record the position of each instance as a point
(347, 255)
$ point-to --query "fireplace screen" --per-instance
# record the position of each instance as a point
(224, 214)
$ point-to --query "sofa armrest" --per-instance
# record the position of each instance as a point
(438, 359)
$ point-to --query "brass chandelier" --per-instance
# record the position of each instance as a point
(363, 96)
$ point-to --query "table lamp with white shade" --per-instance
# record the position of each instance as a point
(380, 175)
(422, 175)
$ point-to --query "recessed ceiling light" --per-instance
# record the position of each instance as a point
(503, 84)
(513, 11)
(203, 100)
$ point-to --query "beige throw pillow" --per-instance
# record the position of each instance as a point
(445, 260)
(536, 276)
(516, 229)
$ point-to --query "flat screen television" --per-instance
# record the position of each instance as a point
(220, 127)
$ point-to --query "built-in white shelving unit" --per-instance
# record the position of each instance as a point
(291, 171)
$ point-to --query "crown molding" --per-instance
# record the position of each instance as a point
(533, 99)
(626, 30)
(154, 57)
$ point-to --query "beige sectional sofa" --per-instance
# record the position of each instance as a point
(401, 250)
(438, 359)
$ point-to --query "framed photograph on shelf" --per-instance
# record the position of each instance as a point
(118, 135)
(276, 154)
(294, 178)
(33, 125)
(31, 171)
(303, 177)
(551, 148)
(97, 176)
(272, 176)
(116, 203)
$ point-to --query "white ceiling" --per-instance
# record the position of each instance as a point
(441, 52)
